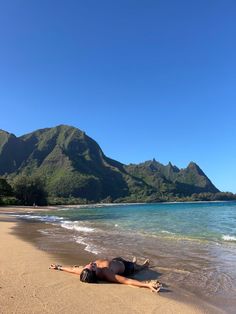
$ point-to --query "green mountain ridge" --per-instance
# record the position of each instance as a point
(73, 165)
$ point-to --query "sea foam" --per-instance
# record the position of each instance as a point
(168, 232)
(88, 247)
(45, 218)
(228, 238)
(74, 225)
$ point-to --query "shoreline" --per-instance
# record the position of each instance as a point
(55, 207)
(32, 274)
(22, 231)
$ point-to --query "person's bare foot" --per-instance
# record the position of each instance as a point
(134, 260)
(146, 263)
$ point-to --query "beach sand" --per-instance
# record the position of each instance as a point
(28, 286)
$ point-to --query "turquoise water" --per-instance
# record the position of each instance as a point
(196, 221)
(191, 245)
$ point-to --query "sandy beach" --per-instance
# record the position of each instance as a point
(28, 286)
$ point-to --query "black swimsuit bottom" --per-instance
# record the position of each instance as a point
(129, 266)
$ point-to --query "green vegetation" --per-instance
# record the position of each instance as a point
(62, 165)
(6, 193)
(169, 181)
(30, 190)
(5, 188)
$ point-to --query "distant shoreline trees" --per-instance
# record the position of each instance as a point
(25, 190)
(31, 190)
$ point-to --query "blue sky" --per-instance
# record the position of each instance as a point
(145, 79)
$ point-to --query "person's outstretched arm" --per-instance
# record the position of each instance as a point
(111, 277)
(69, 269)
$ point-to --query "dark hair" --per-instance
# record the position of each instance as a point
(88, 275)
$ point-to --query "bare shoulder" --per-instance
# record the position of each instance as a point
(101, 263)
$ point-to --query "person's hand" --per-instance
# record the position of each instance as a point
(154, 286)
(55, 267)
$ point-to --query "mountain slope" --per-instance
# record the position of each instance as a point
(169, 179)
(73, 165)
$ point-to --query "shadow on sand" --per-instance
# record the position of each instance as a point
(148, 275)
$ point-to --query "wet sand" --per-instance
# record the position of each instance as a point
(28, 286)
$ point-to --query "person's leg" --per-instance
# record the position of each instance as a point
(132, 267)
(138, 267)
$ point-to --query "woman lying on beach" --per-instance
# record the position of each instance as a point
(115, 270)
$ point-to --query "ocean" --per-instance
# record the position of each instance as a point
(192, 246)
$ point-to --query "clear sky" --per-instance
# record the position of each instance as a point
(145, 79)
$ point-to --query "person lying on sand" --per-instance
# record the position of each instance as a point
(115, 270)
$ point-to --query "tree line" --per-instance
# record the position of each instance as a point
(32, 190)
(23, 190)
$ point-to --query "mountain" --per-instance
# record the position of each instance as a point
(73, 165)
(172, 180)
